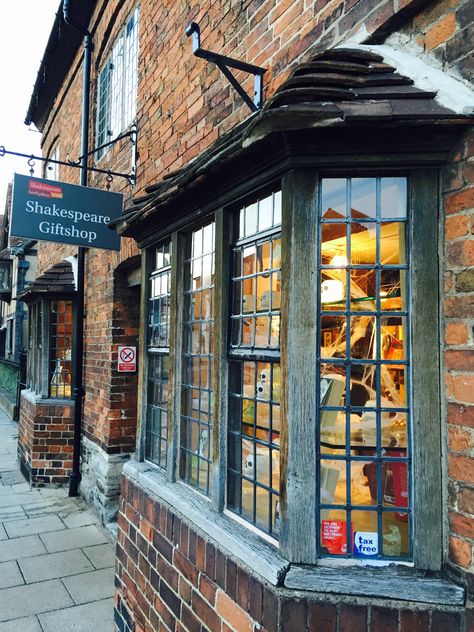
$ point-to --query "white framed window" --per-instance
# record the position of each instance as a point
(117, 87)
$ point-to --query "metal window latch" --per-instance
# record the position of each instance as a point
(224, 63)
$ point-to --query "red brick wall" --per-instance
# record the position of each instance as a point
(45, 441)
(459, 354)
(110, 409)
(171, 577)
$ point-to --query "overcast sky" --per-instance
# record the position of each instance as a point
(25, 26)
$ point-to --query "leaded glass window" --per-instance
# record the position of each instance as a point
(197, 356)
(117, 85)
(60, 349)
(364, 422)
(254, 369)
(156, 433)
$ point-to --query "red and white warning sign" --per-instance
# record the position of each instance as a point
(127, 359)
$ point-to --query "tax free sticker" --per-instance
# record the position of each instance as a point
(366, 543)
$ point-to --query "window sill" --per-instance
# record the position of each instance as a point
(249, 548)
(393, 582)
(36, 398)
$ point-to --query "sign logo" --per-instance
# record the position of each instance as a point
(334, 536)
(366, 543)
(64, 213)
(42, 189)
(127, 359)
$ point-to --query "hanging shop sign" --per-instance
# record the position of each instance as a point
(64, 213)
(127, 359)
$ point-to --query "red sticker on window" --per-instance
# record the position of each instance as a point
(334, 536)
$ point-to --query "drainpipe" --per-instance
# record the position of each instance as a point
(22, 268)
(78, 390)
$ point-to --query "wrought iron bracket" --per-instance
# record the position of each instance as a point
(132, 134)
(224, 63)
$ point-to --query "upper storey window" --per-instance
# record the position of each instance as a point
(117, 89)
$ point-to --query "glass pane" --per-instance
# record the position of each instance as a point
(333, 482)
(275, 332)
(276, 291)
(333, 289)
(393, 333)
(249, 260)
(365, 540)
(393, 289)
(363, 198)
(248, 297)
(363, 337)
(393, 384)
(208, 238)
(363, 243)
(394, 197)
(333, 198)
(363, 290)
(264, 256)
(396, 536)
(276, 254)
(333, 336)
(395, 490)
(364, 485)
(248, 332)
(251, 219)
(263, 293)
(334, 532)
(392, 245)
(334, 245)
(265, 213)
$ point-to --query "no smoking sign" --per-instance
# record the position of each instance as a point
(127, 359)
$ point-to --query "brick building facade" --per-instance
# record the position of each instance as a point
(191, 555)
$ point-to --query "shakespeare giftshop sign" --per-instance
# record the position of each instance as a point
(64, 213)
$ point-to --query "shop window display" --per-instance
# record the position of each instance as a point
(254, 367)
(60, 341)
(364, 448)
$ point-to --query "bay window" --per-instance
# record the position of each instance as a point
(281, 390)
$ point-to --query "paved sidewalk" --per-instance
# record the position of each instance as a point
(56, 561)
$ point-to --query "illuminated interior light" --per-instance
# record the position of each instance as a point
(332, 291)
(339, 260)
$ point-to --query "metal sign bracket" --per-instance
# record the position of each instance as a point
(132, 134)
(224, 63)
